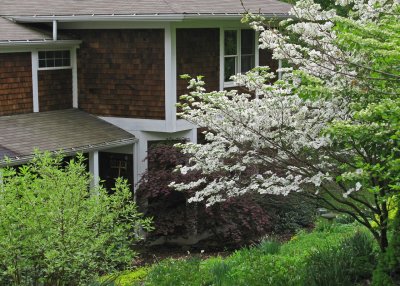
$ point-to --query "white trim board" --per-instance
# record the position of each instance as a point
(147, 125)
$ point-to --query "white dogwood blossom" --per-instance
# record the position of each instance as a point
(273, 140)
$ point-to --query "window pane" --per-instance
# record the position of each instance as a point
(42, 63)
(230, 43)
(247, 63)
(66, 54)
(230, 68)
(50, 62)
(50, 54)
(247, 41)
(66, 62)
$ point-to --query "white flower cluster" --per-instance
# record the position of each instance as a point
(272, 141)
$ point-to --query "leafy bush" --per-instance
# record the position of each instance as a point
(55, 230)
(288, 214)
(236, 222)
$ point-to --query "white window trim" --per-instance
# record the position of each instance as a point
(56, 68)
(227, 84)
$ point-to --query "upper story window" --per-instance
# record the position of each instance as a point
(54, 59)
(239, 53)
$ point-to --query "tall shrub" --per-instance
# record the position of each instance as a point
(232, 223)
(55, 230)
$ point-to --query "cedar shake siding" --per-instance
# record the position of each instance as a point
(121, 73)
(55, 89)
(15, 84)
(197, 53)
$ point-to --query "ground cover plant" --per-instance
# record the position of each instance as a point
(334, 255)
(56, 230)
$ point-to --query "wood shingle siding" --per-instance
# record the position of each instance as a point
(197, 54)
(15, 84)
(55, 89)
(121, 73)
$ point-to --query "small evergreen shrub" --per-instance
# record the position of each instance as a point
(55, 230)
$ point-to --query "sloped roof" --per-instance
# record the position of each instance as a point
(125, 7)
(68, 130)
(11, 31)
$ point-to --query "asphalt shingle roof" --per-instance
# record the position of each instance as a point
(69, 130)
(10, 31)
(106, 7)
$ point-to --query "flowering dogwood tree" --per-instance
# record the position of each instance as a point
(329, 128)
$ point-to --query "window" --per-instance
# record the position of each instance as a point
(239, 52)
(54, 59)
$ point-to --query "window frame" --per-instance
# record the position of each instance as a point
(238, 56)
(62, 67)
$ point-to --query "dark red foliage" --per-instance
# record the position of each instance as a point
(236, 222)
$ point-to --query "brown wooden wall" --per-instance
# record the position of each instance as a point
(197, 53)
(121, 73)
(15, 83)
(55, 89)
(266, 60)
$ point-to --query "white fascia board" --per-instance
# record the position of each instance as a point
(147, 125)
(135, 18)
(94, 17)
(20, 46)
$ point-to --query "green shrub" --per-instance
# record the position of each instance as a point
(346, 263)
(340, 255)
(55, 230)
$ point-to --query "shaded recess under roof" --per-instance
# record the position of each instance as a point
(70, 130)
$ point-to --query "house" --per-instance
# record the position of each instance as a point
(101, 77)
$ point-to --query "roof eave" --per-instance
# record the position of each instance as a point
(137, 18)
(39, 43)
(18, 160)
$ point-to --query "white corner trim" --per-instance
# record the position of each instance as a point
(74, 63)
(170, 76)
(35, 81)
(221, 58)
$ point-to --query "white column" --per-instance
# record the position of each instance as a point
(94, 167)
(135, 167)
(193, 135)
(35, 84)
(74, 64)
(170, 77)
(54, 30)
(257, 50)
